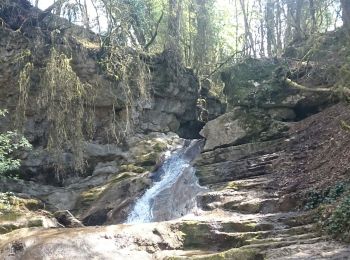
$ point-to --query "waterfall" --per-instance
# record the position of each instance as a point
(174, 189)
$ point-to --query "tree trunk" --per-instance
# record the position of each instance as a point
(249, 41)
(288, 36)
(262, 31)
(201, 40)
(278, 25)
(270, 28)
(298, 14)
(174, 23)
(313, 16)
(86, 16)
(345, 4)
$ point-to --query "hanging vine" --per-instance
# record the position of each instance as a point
(127, 67)
(23, 84)
(68, 105)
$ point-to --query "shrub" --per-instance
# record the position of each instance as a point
(10, 142)
(338, 224)
(316, 198)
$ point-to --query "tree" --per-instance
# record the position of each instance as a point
(270, 27)
(174, 26)
(345, 4)
(249, 41)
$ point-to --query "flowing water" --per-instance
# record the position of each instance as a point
(174, 189)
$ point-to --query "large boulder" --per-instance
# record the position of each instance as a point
(261, 83)
(241, 126)
(224, 130)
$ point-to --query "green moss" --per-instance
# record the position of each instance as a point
(235, 254)
(148, 159)
(12, 205)
(160, 146)
(31, 204)
(87, 197)
(35, 222)
(231, 227)
(232, 185)
(7, 228)
(197, 235)
(132, 168)
(10, 215)
(251, 82)
(122, 176)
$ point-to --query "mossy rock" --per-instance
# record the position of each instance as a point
(122, 176)
(232, 254)
(36, 222)
(11, 226)
(197, 235)
(147, 153)
(87, 197)
(252, 208)
(235, 254)
(246, 227)
(132, 168)
(7, 228)
(260, 127)
(252, 82)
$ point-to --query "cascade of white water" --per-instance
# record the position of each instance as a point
(172, 170)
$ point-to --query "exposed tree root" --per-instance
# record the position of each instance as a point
(339, 90)
(295, 85)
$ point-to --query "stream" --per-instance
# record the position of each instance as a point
(175, 187)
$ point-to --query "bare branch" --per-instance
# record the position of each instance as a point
(156, 32)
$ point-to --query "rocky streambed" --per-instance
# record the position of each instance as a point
(262, 159)
(247, 212)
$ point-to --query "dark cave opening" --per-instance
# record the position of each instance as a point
(190, 130)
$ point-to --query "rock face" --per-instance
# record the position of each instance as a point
(247, 213)
(261, 160)
(224, 130)
(241, 126)
(172, 90)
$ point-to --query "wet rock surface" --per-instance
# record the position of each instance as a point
(246, 213)
(261, 159)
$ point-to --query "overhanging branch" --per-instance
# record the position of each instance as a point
(295, 85)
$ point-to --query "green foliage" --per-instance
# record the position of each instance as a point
(338, 224)
(10, 142)
(316, 198)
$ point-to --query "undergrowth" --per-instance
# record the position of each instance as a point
(316, 198)
(334, 210)
(338, 224)
(10, 143)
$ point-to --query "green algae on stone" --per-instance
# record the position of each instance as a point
(132, 168)
(251, 82)
(234, 254)
(88, 196)
(197, 235)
